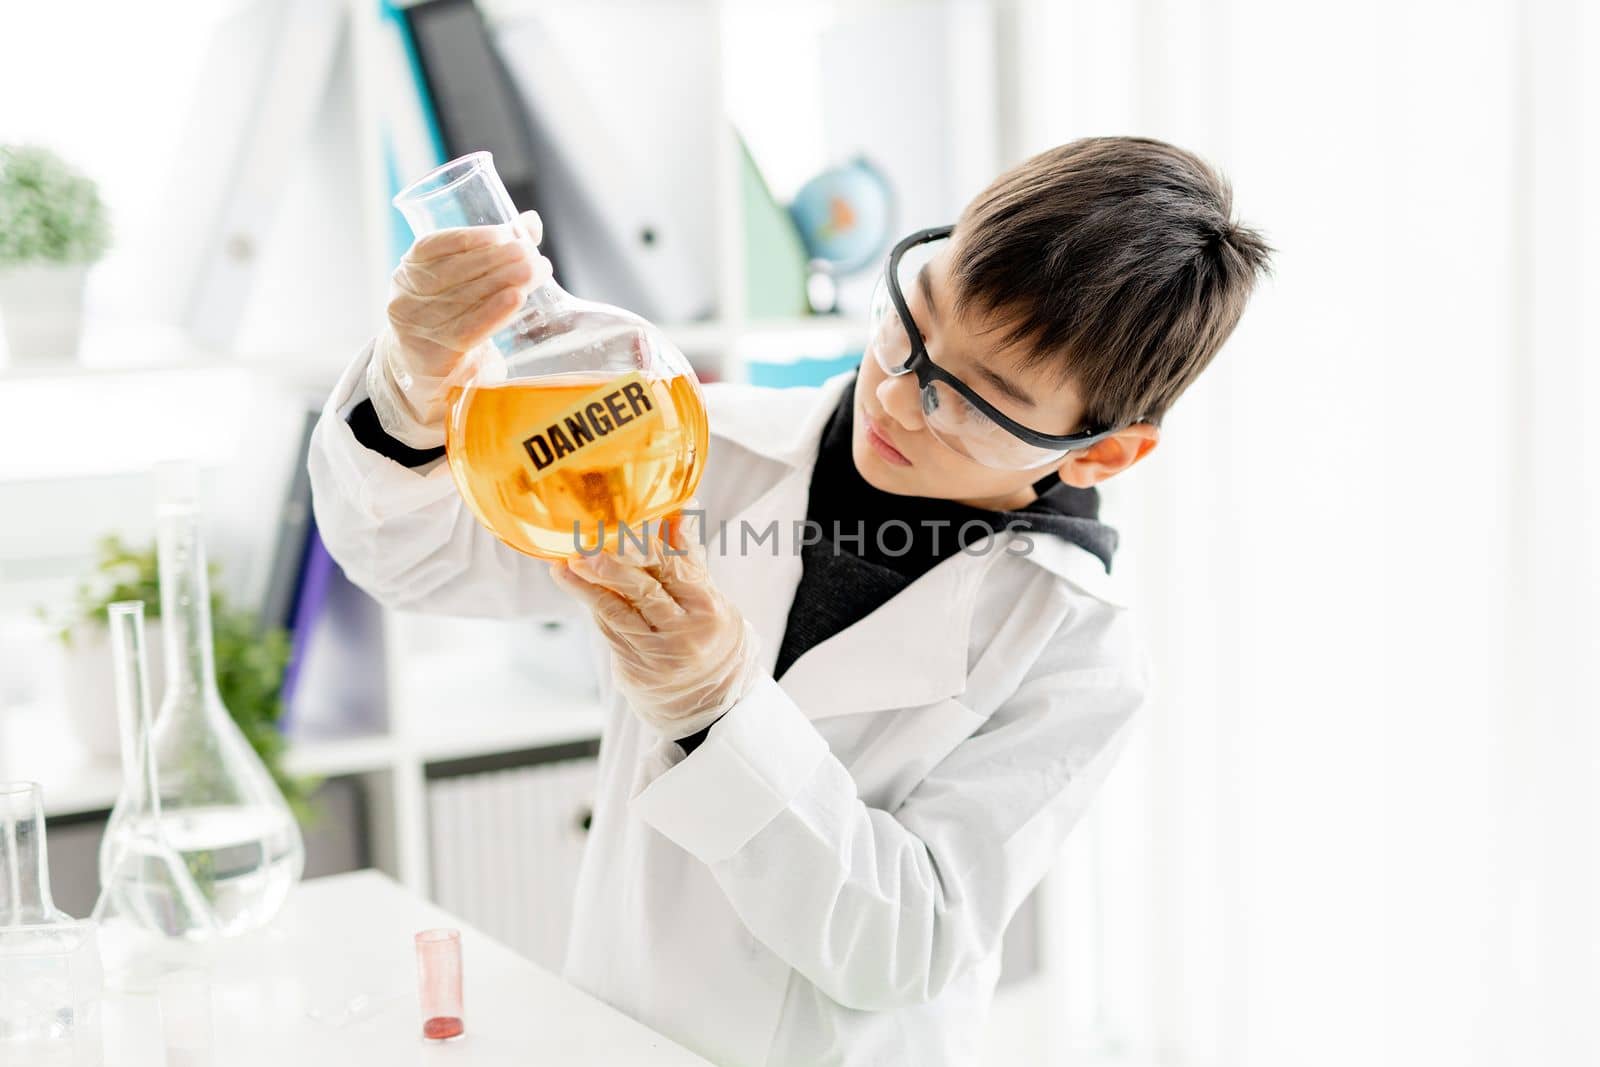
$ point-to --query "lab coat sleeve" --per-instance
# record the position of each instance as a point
(405, 536)
(880, 909)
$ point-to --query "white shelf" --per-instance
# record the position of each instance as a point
(116, 349)
(312, 369)
(473, 702)
(804, 326)
(706, 337)
(77, 782)
(93, 788)
(717, 334)
(497, 730)
(345, 755)
(710, 338)
(74, 370)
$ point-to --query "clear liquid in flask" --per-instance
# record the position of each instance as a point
(241, 861)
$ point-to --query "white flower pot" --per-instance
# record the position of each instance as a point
(90, 687)
(41, 308)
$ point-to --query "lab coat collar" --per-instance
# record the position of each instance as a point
(913, 649)
(893, 657)
(1076, 565)
(909, 652)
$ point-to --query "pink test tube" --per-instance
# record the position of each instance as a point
(439, 984)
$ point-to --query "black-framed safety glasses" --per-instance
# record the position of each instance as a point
(956, 414)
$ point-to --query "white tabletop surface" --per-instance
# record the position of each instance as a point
(333, 981)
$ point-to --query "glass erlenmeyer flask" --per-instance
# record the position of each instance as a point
(146, 888)
(582, 416)
(213, 804)
(50, 978)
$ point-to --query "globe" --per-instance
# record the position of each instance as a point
(844, 215)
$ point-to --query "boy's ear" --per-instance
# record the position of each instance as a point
(1110, 455)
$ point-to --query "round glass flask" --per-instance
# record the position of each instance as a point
(201, 842)
(581, 417)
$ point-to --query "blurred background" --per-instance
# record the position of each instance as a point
(1359, 822)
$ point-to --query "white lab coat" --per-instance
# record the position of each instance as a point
(827, 878)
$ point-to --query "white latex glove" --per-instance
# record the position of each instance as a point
(682, 652)
(451, 291)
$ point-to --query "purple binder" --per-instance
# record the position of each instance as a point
(316, 578)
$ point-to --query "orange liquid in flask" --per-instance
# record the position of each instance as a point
(543, 462)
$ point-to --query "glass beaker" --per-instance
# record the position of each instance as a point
(50, 979)
(581, 417)
(24, 864)
(195, 792)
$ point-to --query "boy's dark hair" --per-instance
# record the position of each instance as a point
(1117, 257)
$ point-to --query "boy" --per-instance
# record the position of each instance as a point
(837, 763)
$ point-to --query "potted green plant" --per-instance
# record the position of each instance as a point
(250, 663)
(53, 227)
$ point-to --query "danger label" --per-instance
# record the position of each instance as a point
(622, 404)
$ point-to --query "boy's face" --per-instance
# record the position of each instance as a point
(893, 448)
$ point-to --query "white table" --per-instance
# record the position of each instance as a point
(284, 1000)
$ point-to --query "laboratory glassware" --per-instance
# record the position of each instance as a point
(25, 898)
(580, 416)
(439, 984)
(50, 977)
(195, 791)
(147, 889)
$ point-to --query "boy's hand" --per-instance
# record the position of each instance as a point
(683, 653)
(451, 291)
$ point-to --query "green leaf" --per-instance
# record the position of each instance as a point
(49, 213)
(250, 660)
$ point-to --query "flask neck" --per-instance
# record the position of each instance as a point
(186, 610)
(548, 299)
(24, 867)
(140, 784)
